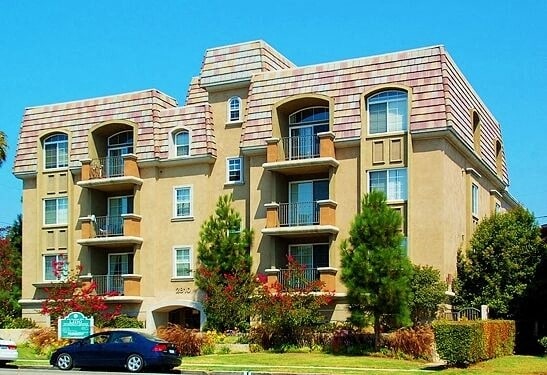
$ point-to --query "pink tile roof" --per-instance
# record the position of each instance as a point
(441, 97)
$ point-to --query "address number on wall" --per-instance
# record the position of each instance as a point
(183, 290)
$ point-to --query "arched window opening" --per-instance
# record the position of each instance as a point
(56, 151)
(234, 109)
(182, 143)
(304, 125)
(119, 144)
(387, 112)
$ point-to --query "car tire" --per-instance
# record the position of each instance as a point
(64, 361)
(134, 363)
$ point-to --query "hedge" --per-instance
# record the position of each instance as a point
(464, 342)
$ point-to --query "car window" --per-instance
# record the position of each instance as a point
(98, 339)
(123, 339)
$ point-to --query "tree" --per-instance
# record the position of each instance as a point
(501, 263)
(376, 272)
(224, 270)
(3, 147)
(287, 313)
(72, 294)
(10, 271)
(428, 292)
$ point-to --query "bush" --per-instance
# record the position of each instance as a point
(543, 342)
(19, 323)
(416, 342)
(347, 340)
(465, 342)
(427, 294)
(189, 342)
(124, 321)
(44, 341)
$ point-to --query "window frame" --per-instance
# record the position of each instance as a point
(56, 146)
(388, 179)
(176, 202)
(57, 210)
(59, 257)
(234, 109)
(474, 200)
(383, 97)
(229, 170)
(177, 248)
(175, 146)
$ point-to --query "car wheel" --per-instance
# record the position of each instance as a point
(134, 363)
(64, 361)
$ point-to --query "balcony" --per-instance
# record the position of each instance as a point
(303, 154)
(300, 219)
(326, 275)
(111, 173)
(111, 231)
(126, 285)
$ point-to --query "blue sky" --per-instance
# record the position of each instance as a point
(56, 51)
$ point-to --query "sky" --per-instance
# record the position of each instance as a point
(57, 51)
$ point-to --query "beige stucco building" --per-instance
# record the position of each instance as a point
(121, 184)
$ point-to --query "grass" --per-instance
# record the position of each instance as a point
(320, 363)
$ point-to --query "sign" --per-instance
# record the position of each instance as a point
(75, 326)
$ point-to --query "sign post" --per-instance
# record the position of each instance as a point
(74, 326)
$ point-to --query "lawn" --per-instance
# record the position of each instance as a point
(319, 363)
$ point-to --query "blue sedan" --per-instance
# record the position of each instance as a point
(132, 350)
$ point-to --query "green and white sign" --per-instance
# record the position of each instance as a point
(75, 326)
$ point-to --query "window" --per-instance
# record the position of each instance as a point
(56, 151)
(182, 262)
(56, 211)
(234, 109)
(182, 143)
(475, 200)
(183, 201)
(234, 170)
(55, 267)
(304, 125)
(393, 182)
(310, 256)
(387, 112)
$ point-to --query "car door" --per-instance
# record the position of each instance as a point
(121, 344)
(92, 353)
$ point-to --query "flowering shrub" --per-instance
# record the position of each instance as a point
(73, 295)
(288, 314)
(44, 341)
(188, 341)
(415, 342)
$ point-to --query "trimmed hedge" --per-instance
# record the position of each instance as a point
(464, 342)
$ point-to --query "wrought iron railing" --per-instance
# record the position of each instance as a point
(108, 284)
(291, 279)
(304, 147)
(112, 166)
(300, 213)
(108, 226)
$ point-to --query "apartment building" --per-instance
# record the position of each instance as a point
(121, 184)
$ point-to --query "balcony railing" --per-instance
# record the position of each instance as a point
(108, 284)
(108, 226)
(107, 167)
(303, 147)
(296, 214)
(291, 279)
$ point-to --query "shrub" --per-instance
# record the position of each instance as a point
(189, 342)
(465, 342)
(543, 342)
(415, 342)
(19, 323)
(124, 321)
(427, 294)
(347, 340)
(44, 341)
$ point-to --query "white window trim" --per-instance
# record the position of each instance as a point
(191, 213)
(190, 255)
(475, 200)
(57, 222)
(387, 183)
(241, 177)
(229, 110)
(388, 131)
(173, 146)
(57, 255)
(57, 167)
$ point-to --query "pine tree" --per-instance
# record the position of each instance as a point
(224, 271)
(376, 272)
